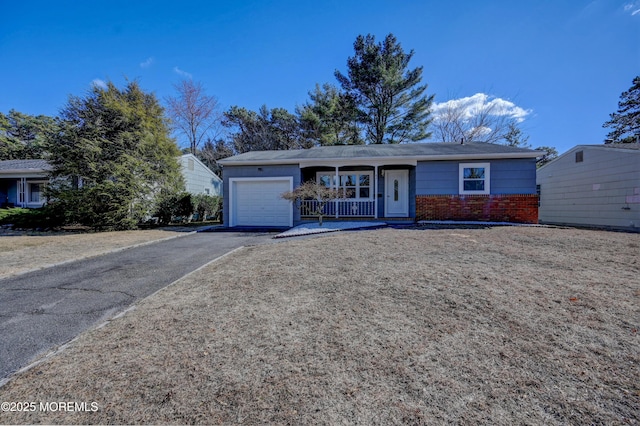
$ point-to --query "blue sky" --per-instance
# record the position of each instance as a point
(563, 62)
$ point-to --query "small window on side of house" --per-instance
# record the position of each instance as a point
(579, 156)
(190, 164)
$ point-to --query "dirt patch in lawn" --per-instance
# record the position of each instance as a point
(20, 253)
(492, 326)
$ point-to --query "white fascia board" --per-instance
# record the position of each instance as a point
(258, 162)
(26, 173)
(261, 179)
(372, 162)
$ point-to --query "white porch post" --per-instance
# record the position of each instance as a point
(337, 202)
(22, 192)
(375, 191)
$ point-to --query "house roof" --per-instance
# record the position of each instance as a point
(634, 146)
(413, 152)
(16, 166)
(628, 148)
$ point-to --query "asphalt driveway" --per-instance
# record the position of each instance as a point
(44, 309)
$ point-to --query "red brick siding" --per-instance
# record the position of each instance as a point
(490, 208)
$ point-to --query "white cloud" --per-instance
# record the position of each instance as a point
(182, 73)
(147, 63)
(633, 7)
(481, 103)
(99, 83)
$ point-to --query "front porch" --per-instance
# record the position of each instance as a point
(22, 192)
(366, 191)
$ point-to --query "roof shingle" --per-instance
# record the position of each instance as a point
(411, 150)
(25, 165)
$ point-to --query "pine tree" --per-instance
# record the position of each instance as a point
(626, 121)
(330, 118)
(113, 157)
(24, 136)
(394, 106)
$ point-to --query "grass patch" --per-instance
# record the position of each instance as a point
(6, 215)
(32, 250)
(491, 326)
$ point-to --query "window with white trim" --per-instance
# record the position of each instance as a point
(356, 184)
(35, 192)
(474, 178)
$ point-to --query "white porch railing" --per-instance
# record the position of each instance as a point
(340, 208)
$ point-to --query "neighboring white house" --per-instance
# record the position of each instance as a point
(592, 185)
(198, 178)
(22, 183)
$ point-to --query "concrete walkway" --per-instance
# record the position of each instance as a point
(43, 309)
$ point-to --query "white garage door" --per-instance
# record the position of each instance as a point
(257, 202)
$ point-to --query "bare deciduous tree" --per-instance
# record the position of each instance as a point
(194, 113)
(312, 190)
(475, 119)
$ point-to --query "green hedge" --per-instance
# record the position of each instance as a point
(45, 217)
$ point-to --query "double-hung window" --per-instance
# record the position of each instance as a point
(352, 184)
(474, 178)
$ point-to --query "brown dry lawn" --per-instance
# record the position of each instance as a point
(491, 326)
(20, 253)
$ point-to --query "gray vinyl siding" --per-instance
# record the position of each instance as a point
(507, 177)
(437, 178)
(412, 192)
(513, 176)
(288, 170)
(594, 192)
(200, 179)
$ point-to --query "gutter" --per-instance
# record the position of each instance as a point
(24, 173)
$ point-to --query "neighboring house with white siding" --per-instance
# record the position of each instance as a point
(198, 178)
(22, 183)
(592, 185)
